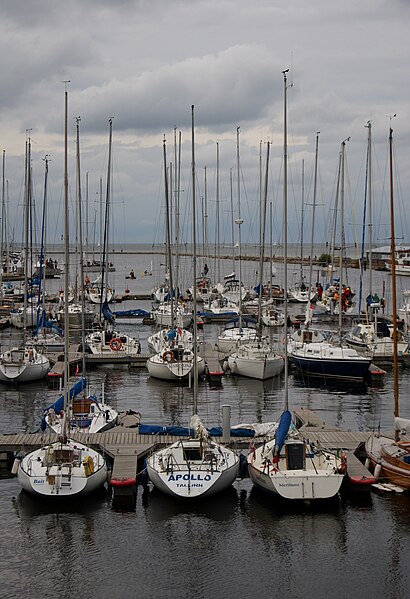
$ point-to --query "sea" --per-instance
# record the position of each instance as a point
(236, 545)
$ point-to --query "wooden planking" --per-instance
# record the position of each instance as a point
(212, 357)
(355, 466)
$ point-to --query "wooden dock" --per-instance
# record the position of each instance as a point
(127, 449)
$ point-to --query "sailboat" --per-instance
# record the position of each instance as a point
(238, 330)
(287, 465)
(390, 458)
(24, 363)
(323, 358)
(66, 467)
(174, 358)
(257, 359)
(194, 467)
(373, 333)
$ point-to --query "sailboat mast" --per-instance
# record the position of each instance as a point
(26, 234)
(168, 230)
(239, 222)
(369, 175)
(3, 226)
(195, 325)
(312, 239)
(106, 221)
(42, 270)
(218, 233)
(81, 250)
(262, 241)
(342, 196)
(393, 284)
(285, 230)
(66, 270)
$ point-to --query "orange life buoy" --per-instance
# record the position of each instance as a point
(168, 356)
(115, 344)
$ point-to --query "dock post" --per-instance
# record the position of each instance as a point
(226, 423)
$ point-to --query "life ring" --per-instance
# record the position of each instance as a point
(168, 356)
(115, 344)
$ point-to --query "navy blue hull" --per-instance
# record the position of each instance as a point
(348, 369)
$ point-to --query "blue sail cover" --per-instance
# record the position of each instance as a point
(181, 431)
(58, 405)
(109, 315)
(136, 312)
(282, 430)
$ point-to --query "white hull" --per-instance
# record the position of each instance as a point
(256, 363)
(179, 370)
(18, 320)
(231, 338)
(113, 343)
(164, 319)
(161, 341)
(295, 485)
(306, 474)
(23, 365)
(212, 473)
(70, 475)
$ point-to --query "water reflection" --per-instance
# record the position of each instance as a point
(218, 508)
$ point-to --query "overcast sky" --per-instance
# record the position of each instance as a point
(145, 62)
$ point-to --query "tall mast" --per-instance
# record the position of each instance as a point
(105, 249)
(195, 325)
(42, 269)
(66, 268)
(26, 233)
(313, 226)
(302, 225)
(285, 229)
(369, 175)
(80, 225)
(218, 234)
(393, 285)
(342, 204)
(3, 227)
(168, 229)
(262, 241)
(239, 222)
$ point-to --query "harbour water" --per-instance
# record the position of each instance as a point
(239, 544)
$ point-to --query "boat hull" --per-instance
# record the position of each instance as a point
(384, 455)
(172, 474)
(297, 485)
(59, 480)
(256, 368)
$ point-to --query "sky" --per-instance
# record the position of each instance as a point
(144, 63)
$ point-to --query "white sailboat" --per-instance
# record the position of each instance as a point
(24, 363)
(177, 361)
(194, 467)
(390, 458)
(239, 330)
(66, 467)
(287, 465)
(257, 359)
(86, 413)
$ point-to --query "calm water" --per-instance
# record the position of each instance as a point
(239, 544)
